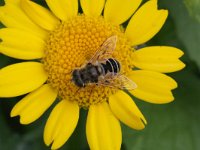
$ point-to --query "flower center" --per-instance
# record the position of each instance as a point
(69, 47)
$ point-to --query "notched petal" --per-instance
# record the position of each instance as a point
(126, 110)
(61, 123)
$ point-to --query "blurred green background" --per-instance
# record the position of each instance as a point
(174, 126)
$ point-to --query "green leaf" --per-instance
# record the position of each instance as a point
(1, 2)
(186, 28)
(193, 7)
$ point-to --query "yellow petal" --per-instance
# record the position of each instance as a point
(159, 58)
(126, 110)
(40, 15)
(145, 23)
(103, 129)
(61, 123)
(92, 7)
(63, 9)
(23, 46)
(118, 11)
(21, 78)
(13, 1)
(152, 86)
(155, 78)
(11, 15)
(31, 107)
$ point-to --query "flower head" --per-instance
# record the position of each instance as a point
(59, 41)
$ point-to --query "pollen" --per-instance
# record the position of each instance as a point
(71, 45)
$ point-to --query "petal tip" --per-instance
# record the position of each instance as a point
(144, 120)
(165, 12)
(23, 121)
(46, 139)
(13, 113)
(55, 146)
(175, 85)
(154, 2)
(181, 53)
(169, 100)
(181, 66)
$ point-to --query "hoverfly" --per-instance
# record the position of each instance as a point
(102, 69)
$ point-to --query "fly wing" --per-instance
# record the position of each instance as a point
(105, 51)
(118, 81)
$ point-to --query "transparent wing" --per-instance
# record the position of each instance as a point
(105, 51)
(118, 81)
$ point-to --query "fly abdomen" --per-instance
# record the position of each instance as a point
(111, 65)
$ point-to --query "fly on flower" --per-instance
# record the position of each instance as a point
(102, 69)
(63, 39)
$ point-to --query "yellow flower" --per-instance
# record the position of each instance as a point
(61, 40)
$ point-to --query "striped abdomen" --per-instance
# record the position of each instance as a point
(111, 65)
